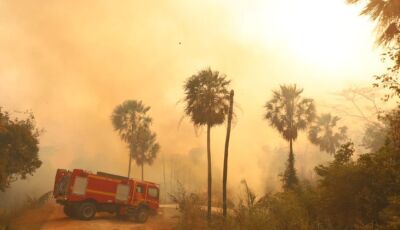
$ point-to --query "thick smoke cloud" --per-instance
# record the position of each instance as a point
(72, 62)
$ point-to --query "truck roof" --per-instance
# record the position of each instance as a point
(117, 177)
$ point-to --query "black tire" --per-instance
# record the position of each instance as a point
(142, 215)
(87, 210)
(69, 211)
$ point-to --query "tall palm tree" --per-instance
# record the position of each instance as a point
(207, 103)
(288, 112)
(130, 118)
(144, 148)
(325, 134)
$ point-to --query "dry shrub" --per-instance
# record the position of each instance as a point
(191, 208)
(8, 215)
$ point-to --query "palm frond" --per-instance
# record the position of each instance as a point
(207, 97)
(287, 112)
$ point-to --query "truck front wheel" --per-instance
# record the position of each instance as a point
(87, 210)
(142, 215)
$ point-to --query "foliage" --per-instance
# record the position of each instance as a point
(19, 147)
(288, 112)
(289, 176)
(375, 136)
(190, 207)
(392, 119)
(128, 117)
(322, 133)
(391, 79)
(207, 103)
(352, 193)
(207, 98)
(131, 121)
(145, 146)
(7, 216)
(386, 14)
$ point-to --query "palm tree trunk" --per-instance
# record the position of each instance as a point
(291, 147)
(129, 167)
(209, 171)
(225, 173)
(165, 185)
(291, 176)
(142, 171)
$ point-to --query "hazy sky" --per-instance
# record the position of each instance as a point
(72, 62)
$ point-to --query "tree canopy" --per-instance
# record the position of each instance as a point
(207, 97)
(19, 148)
(288, 112)
(325, 134)
(132, 122)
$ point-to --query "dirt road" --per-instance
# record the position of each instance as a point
(51, 216)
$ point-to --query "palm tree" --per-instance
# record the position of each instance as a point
(225, 171)
(288, 112)
(387, 15)
(323, 133)
(130, 118)
(207, 103)
(144, 148)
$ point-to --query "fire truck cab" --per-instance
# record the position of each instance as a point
(83, 193)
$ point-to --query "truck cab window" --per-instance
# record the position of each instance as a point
(153, 192)
(139, 188)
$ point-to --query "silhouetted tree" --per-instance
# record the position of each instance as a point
(144, 147)
(323, 133)
(207, 103)
(288, 112)
(386, 14)
(130, 119)
(19, 147)
(375, 136)
(225, 171)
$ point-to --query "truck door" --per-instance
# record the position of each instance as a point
(140, 191)
(153, 196)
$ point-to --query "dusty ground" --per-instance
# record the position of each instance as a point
(51, 216)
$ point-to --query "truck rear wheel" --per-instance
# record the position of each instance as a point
(87, 210)
(69, 211)
(142, 215)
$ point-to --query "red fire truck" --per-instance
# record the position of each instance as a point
(83, 193)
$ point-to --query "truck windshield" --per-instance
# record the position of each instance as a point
(61, 188)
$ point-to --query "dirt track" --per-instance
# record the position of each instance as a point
(51, 216)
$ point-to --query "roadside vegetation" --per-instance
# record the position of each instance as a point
(352, 191)
(10, 215)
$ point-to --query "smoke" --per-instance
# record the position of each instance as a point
(72, 62)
